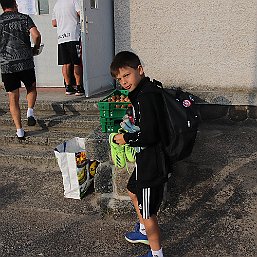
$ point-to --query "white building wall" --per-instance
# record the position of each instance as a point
(48, 73)
(202, 45)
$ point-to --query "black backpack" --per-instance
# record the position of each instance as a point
(182, 122)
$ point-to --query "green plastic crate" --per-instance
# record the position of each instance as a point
(110, 125)
(109, 110)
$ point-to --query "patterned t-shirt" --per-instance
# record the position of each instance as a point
(15, 46)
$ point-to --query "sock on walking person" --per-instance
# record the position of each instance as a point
(30, 112)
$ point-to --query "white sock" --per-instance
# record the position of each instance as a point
(30, 112)
(157, 253)
(20, 132)
(142, 229)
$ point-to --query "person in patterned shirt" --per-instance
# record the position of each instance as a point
(16, 60)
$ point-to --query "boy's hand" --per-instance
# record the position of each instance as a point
(119, 139)
(35, 50)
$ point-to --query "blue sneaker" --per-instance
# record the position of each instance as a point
(149, 254)
(136, 236)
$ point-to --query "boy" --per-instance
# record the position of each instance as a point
(145, 186)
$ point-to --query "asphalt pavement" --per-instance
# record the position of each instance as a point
(210, 211)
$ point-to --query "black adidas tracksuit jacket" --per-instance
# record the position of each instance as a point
(149, 116)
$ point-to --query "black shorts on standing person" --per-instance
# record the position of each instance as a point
(149, 205)
(69, 52)
(12, 81)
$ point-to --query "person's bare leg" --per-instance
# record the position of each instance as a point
(78, 74)
(31, 99)
(151, 225)
(66, 73)
(153, 232)
(15, 107)
(134, 200)
(32, 96)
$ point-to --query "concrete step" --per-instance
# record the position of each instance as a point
(79, 123)
(42, 107)
(41, 144)
(29, 156)
(39, 137)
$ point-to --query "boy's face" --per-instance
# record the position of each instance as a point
(129, 78)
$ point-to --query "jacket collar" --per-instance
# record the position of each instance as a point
(139, 87)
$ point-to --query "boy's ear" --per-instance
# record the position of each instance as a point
(140, 70)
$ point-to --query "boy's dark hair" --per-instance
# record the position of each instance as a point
(7, 4)
(124, 59)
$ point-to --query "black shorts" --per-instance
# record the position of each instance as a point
(12, 81)
(149, 199)
(69, 52)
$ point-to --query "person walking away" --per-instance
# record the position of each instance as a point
(16, 59)
(66, 15)
(146, 184)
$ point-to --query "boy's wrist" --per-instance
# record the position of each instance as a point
(125, 137)
(35, 50)
(36, 47)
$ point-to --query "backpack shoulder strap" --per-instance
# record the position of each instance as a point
(157, 83)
